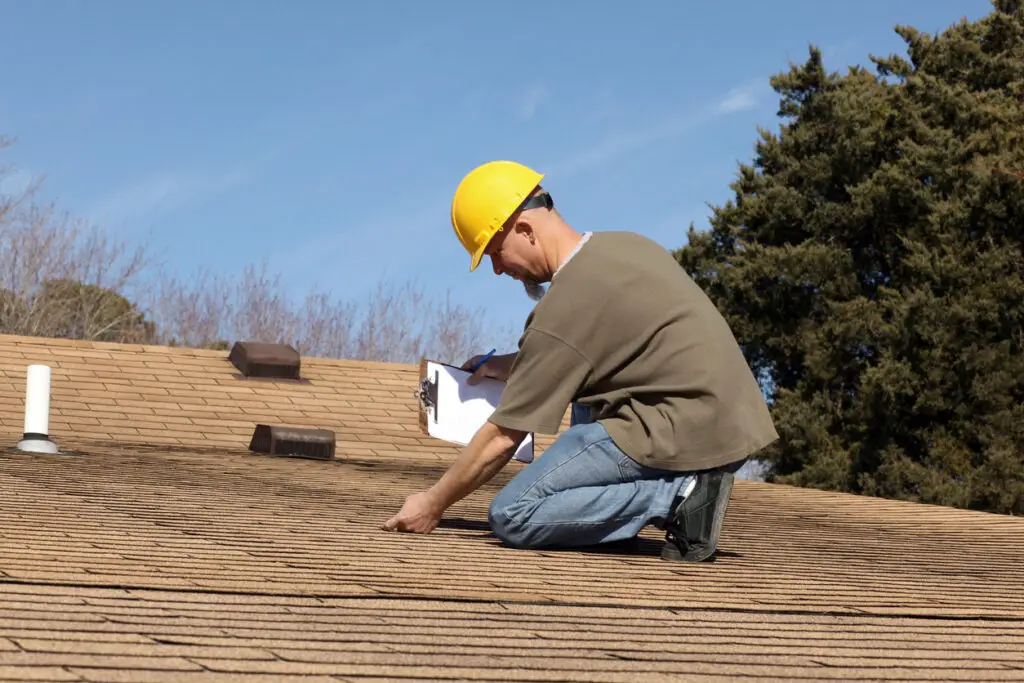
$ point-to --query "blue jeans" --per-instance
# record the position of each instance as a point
(582, 491)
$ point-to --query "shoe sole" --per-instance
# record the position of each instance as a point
(671, 553)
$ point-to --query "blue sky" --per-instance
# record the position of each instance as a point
(329, 136)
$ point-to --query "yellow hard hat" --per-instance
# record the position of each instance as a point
(484, 200)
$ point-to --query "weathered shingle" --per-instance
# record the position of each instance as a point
(134, 394)
(165, 552)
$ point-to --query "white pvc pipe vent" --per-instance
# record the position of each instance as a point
(37, 412)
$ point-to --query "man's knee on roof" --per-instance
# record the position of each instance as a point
(507, 525)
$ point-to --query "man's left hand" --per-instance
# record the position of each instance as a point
(420, 514)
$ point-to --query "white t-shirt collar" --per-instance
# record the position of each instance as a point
(579, 245)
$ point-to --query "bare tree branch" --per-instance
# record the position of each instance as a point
(59, 278)
(396, 323)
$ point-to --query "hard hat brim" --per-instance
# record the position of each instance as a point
(476, 258)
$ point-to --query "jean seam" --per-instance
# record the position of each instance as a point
(565, 462)
(597, 523)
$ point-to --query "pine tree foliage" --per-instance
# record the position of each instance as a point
(871, 265)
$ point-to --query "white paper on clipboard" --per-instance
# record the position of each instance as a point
(453, 410)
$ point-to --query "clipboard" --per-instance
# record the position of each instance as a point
(452, 410)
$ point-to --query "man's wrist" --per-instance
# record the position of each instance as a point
(507, 361)
(435, 499)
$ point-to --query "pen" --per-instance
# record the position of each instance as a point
(476, 366)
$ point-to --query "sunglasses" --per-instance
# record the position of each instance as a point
(536, 201)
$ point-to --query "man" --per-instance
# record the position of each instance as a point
(664, 406)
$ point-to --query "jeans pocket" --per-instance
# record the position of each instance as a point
(629, 469)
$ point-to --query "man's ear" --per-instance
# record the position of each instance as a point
(525, 228)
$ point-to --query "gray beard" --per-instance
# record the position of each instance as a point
(534, 290)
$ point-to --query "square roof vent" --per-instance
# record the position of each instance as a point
(260, 359)
(293, 442)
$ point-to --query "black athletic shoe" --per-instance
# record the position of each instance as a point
(691, 534)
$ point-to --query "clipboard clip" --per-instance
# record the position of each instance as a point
(427, 393)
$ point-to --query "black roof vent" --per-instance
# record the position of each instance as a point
(259, 359)
(293, 442)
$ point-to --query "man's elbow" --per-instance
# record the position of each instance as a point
(503, 437)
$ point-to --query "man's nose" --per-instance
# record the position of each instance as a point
(498, 270)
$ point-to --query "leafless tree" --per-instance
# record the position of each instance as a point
(396, 323)
(60, 278)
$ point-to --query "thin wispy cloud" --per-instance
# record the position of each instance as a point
(629, 140)
(619, 144)
(532, 101)
(741, 98)
(165, 191)
(405, 232)
(161, 191)
(524, 102)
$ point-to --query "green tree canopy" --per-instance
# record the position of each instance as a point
(75, 310)
(871, 266)
(69, 309)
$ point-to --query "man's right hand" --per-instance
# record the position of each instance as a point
(496, 367)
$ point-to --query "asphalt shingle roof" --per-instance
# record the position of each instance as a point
(166, 552)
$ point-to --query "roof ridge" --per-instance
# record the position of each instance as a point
(137, 348)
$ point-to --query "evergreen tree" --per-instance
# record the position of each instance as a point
(68, 309)
(871, 266)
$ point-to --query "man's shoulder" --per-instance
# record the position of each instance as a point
(628, 237)
(612, 255)
(609, 238)
(595, 273)
(619, 246)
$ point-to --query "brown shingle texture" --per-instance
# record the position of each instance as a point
(133, 394)
(177, 558)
